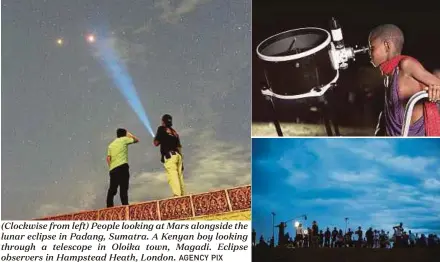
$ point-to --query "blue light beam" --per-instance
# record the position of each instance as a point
(122, 79)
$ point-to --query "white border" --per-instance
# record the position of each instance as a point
(1, 137)
(295, 56)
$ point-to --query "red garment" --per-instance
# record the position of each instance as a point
(388, 67)
(430, 110)
(432, 119)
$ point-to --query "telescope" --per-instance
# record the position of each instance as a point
(304, 63)
(339, 54)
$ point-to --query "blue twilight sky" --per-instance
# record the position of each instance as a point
(374, 182)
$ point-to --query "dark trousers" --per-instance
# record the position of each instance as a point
(398, 242)
(119, 177)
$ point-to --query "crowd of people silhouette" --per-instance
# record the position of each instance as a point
(313, 237)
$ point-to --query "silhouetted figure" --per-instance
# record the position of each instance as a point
(369, 236)
(340, 239)
(422, 242)
(431, 242)
(254, 237)
(281, 237)
(412, 239)
(286, 238)
(398, 232)
(327, 236)
(309, 237)
(315, 234)
(382, 239)
(348, 238)
(359, 233)
(387, 240)
(436, 240)
(376, 242)
(334, 235)
(405, 240)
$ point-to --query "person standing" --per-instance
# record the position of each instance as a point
(327, 236)
(334, 235)
(299, 239)
(171, 154)
(315, 235)
(398, 231)
(117, 160)
(360, 240)
(376, 239)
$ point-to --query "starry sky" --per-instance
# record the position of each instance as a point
(60, 109)
(374, 182)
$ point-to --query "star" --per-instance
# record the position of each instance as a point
(60, 41)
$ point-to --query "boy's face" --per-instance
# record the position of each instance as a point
(378, 51)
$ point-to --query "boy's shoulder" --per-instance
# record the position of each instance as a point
(407, 63)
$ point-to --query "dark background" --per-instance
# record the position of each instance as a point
(422, 41)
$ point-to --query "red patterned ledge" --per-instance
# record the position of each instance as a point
(240, 198)
(177, 208)
(87, 215)
(210, 203)
(114, 213)
(144, 211)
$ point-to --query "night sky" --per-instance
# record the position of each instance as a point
(60, 109)
(374, 182)
(422, 40)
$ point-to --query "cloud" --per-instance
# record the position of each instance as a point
(297, 177)
(383, 152)
(126, 51)
(366, 177)
(146, 28)
(264, 202)
(406, 163)
(93, 79)
(83, 68)
(432, 184)
(78, 196)
(173, 14)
